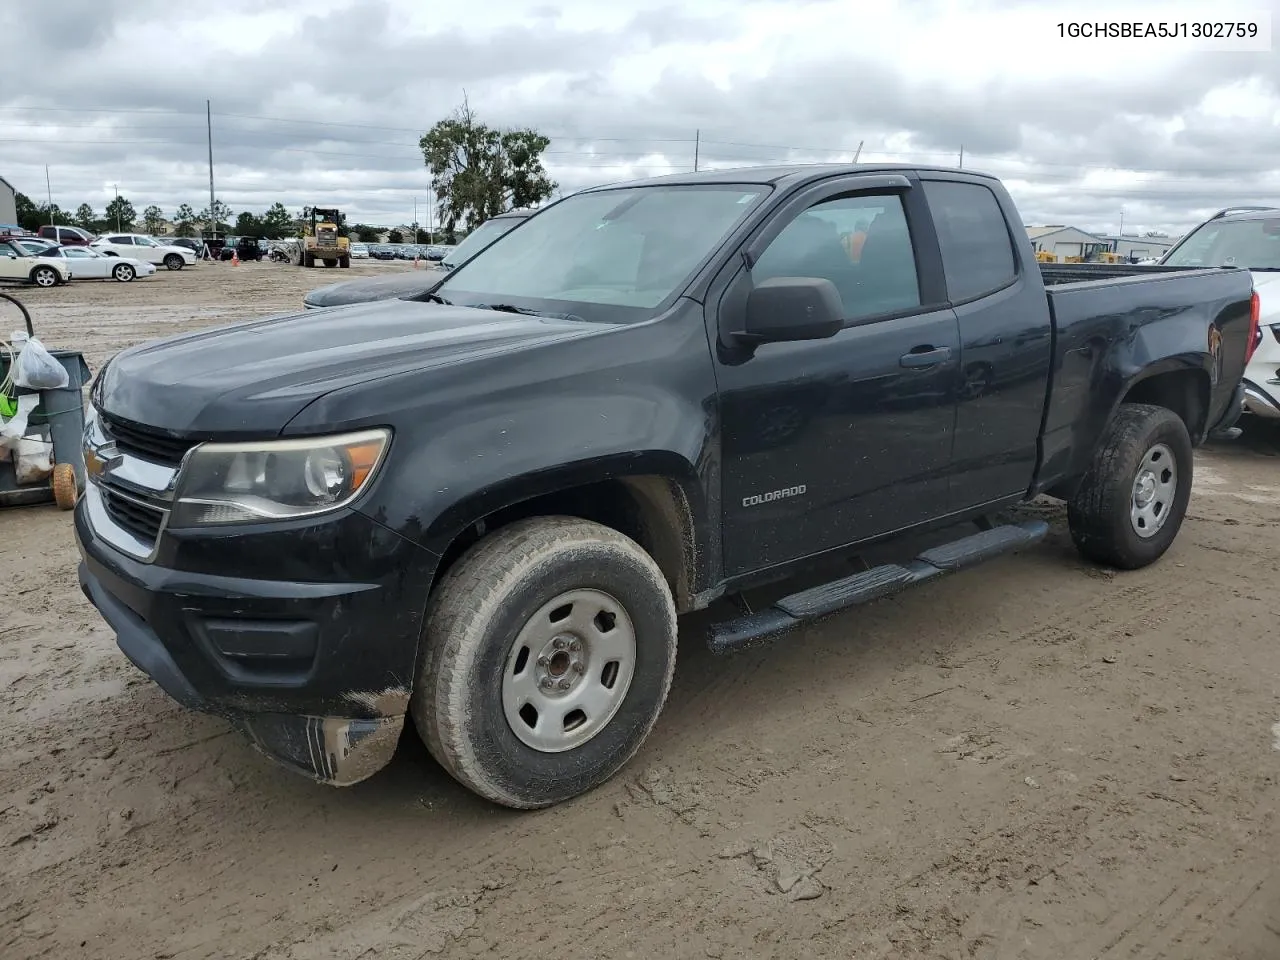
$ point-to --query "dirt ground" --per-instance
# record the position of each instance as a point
(1035, 759)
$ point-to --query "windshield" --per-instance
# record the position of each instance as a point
(1252, 244)
(623, 251)
(479, 238)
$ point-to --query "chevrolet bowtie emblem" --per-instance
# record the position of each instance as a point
(97, 460)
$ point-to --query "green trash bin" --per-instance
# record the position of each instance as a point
(61, 411)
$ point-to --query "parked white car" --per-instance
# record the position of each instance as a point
(87, 264)
(139, 247)
(359, 251)
(1246, 237)
(18, 264)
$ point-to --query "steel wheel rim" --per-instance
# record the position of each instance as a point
(569, 670)
(1154, 487)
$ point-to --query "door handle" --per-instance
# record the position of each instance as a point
(925, 357)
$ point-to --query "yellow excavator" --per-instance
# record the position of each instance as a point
(320, 240)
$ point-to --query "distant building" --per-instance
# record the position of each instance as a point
(8, 207)
(1140, 248)
(1063, 241)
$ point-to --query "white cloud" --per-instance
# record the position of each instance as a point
(1081, 129)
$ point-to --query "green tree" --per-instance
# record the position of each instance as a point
(478, 171)
(29, 215)
(395, 236)
(85, 217)
(366, 234)
(51, 213)
(248, 225)
(217, 220)
(152, 219)
(185, 218)
(421, 236)
(276, 222)
(120, 214)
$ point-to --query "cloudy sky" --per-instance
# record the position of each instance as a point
(322, 101)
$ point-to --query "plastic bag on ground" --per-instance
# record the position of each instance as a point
(38, 370)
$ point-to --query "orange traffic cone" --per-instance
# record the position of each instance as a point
(235, 258)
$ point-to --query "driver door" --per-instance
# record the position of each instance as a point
(830, 442)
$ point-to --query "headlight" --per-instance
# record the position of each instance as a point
(275, 479)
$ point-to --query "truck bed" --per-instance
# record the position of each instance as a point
(1111, 320)
(1055, 274)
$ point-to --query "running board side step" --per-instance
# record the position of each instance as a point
(798, 609)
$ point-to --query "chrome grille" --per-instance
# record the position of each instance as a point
(146, 442)
(138, 518)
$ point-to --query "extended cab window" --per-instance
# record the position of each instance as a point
(861, 244)
(121, 241)
(977, 254)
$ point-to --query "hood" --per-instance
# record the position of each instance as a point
(371, 288)
(251, 379)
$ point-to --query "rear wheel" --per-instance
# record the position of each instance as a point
(308, 260)
(45, 277)
(344, 262)
(173, 261)
(547, 656)
(123, 272)
(1130, 506)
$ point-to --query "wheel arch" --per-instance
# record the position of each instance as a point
(652, 497)
(1172, 383)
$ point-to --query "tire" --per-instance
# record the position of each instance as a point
(65, 489)
(174, 261)
(308, 260)
(1106, 514)
(45, 277)
(345, 262)
(123, 272)
(495, 602)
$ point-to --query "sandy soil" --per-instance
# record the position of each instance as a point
(1037, 759)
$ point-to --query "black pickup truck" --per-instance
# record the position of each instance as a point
(484, 507)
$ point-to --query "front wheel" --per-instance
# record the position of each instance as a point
(123, 272)
(173, 261)
(1131, 503)
(547, 656)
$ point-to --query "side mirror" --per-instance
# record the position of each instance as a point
(794, 308)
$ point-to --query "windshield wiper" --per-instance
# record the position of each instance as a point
(507, 308)
(524, 311)
(436, 298)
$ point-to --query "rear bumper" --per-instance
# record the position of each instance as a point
(1262, 401)
(316, 674)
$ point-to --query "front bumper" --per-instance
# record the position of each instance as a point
(315, 669)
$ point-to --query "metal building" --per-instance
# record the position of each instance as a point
(8, 209)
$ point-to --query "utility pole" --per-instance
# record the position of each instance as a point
(117, 186)
(857, 153)
(962, 156)
(697, 143)
(208, 119)
(49, 189)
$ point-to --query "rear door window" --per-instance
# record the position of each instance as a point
(977, 252)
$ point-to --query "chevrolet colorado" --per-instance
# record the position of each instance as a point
(483, 508)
